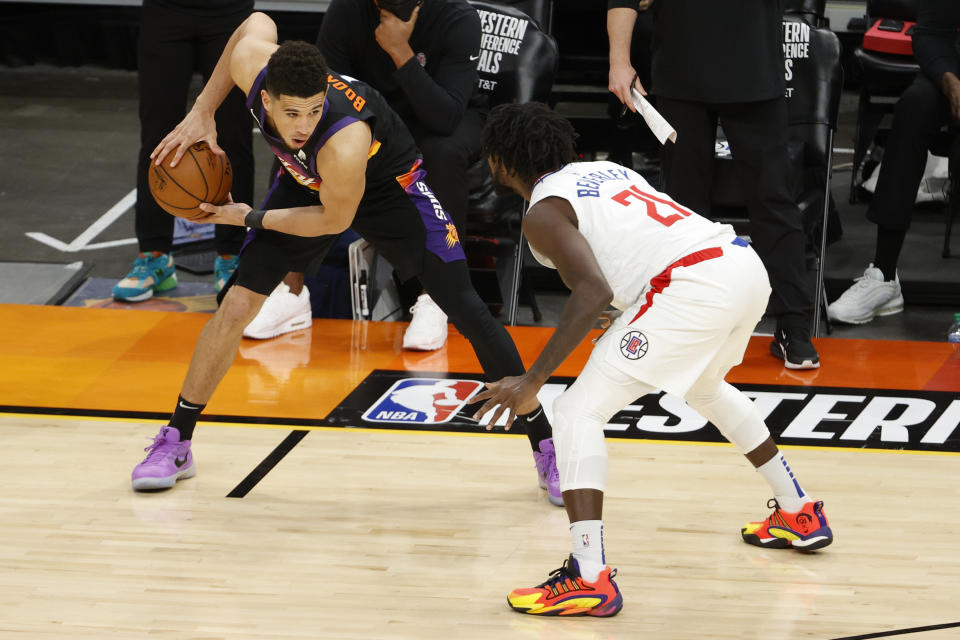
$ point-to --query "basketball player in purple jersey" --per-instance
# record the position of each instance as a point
(349, 162)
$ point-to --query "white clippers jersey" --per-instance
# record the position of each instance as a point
(635, 231)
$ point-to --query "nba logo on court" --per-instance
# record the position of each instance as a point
(633, 345)
(422, 401)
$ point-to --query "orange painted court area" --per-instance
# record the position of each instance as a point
(128, 360)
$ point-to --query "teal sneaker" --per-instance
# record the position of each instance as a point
(149, 273)
(223, 268)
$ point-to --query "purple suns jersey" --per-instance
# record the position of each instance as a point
(393, 153)
(385, 214)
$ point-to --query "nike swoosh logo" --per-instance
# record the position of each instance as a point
(180, 461)
(535, 416)
(472, 58)
(186, 406)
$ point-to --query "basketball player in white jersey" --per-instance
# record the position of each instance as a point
(690, 293)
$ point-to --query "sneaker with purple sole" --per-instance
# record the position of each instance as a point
(168, 460)
(546, 460)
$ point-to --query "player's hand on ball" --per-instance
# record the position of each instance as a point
(515, 395)
(197, 125)
(229, 213)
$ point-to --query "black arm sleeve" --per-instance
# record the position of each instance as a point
(935, 37)
(439, 100)
(623, 4)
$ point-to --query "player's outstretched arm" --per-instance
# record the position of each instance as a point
(551, 228)
(243, 57)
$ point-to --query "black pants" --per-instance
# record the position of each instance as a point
(918, 116)
(446, 160)
(757, 132)
(172, 45)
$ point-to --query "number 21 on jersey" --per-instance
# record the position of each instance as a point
(634, 193)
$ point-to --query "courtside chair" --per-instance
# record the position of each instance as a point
(493, 221)
(810, 11)
(884, 76)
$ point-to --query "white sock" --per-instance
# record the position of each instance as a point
(587, 538)
(785, 487)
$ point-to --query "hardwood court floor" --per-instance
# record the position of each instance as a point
(366, 533)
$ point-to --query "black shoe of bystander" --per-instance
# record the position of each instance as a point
(794, 347)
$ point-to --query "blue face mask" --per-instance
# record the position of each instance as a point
(403, 9)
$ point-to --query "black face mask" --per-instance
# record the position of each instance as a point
(403, 9)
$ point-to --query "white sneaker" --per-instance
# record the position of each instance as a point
(869, 297)
(428, 327)
(282, 312)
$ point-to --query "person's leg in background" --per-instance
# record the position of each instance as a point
(687, 164)
(446, 160)
(757, 132)
(918, 116)
(234, 135)
(165, 59)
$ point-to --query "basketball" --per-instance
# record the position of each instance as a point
(200, 176)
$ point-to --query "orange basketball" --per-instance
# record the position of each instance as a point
(200, 176)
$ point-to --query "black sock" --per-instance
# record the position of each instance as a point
(537, 426)
(889, 244)
(185, 417)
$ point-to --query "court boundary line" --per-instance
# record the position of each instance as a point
(258, 422)
(899, 632)
(266, 465)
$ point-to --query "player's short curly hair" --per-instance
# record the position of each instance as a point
(529, 139)
(296, 69)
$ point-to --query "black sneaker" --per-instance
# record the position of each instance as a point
(793, 346)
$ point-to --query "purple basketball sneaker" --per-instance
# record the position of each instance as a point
(547, 471)
(167, 461)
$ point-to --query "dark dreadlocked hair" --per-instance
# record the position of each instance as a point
(296, 69)
(529, 139)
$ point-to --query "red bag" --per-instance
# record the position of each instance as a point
(890, 36)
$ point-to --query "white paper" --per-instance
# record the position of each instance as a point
(660, 127)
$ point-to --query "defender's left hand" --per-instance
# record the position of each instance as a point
(515, 395)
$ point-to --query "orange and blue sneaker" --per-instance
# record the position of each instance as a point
(153, 271)
(804, 530)
(565, 593)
